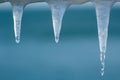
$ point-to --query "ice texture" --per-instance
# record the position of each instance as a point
(17, 16)
(58, 8)
(102, 13)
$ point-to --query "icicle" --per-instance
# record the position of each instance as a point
(102, 13)
(58, 9)
(17, 16)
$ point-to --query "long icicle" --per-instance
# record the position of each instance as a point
(103, 12)
(58, 9)
(17, 16)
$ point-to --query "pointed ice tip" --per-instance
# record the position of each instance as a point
(56, 40)
(17, 39)
(102, 74)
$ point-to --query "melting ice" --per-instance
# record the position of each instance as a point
(58, 8)
(17, 16)
(103, 13)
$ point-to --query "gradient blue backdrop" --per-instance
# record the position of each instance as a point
(75, 57)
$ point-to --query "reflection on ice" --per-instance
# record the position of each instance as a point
(103, 13)
(58, 8)
(17, 16)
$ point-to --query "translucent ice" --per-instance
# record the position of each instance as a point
(17, 16)
(58, 9)
(102, 13)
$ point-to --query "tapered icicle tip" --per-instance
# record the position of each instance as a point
(102, 60)
(17, 39)
(17, 16)
(56, 39)
(102, 12)
(58, 9)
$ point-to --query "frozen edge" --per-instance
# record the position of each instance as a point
(102, 13)
(57, 21)
(58, 8)
(17, 17)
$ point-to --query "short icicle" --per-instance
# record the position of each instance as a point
(58, 9)
(102, 12)
(17, 16)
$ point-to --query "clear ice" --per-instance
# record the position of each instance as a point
(58, 8)
(103, 12)
(17, 17)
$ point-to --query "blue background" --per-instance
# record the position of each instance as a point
(75, 57)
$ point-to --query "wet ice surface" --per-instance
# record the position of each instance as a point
(58, 9)
(17, 16)
(103, 13)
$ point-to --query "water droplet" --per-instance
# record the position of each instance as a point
(56, 39)
(17, 16)
(58, 9)
(102, 12)
(17, 39)
(102, 60)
